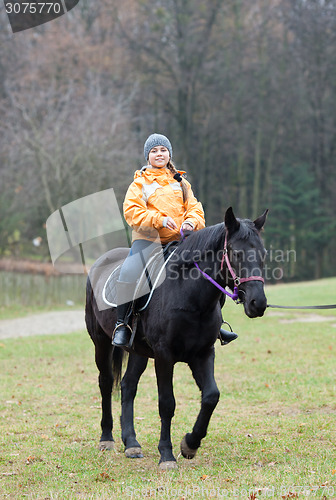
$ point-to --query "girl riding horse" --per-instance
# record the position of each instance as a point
(158, 204)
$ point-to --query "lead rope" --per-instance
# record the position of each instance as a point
(274, 306)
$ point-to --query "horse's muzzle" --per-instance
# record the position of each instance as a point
(255, 306)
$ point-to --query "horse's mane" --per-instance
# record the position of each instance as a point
(211, 239)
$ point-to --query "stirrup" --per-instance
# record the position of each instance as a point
(225, 342)
(129, 340)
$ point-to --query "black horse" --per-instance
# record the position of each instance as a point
(181, 323)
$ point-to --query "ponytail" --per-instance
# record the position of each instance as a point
(178, 177)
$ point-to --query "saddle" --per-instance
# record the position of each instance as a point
(152, 276)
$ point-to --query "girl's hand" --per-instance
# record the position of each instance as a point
(170, 224)
(187, 227)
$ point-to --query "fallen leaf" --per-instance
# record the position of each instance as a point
(333, 471)
(104, 476)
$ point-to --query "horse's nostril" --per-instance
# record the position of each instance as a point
(257, 307)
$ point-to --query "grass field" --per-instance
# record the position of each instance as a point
(272, 434)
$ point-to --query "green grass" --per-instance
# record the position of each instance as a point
(273, 431)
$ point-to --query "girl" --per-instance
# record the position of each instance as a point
(158, 203)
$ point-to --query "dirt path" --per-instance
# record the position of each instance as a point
(49, 323)
(56, 322)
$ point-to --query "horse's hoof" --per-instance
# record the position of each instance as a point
(134, 452)
(186, 451)
(106, 445)
(171, 465)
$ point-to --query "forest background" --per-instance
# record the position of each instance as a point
(246, 91)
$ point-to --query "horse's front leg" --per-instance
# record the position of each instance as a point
(203, 373)
(129, 384)
(164, 376)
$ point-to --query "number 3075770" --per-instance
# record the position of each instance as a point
(33, 8)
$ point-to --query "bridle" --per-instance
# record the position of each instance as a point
(236, 279)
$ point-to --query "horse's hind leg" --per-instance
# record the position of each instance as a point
(104, 351)
(203, 373)
(129, 384)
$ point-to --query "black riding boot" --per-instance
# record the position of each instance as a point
(123, 332)
(225, 336)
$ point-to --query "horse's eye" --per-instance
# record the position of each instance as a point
(238, 255)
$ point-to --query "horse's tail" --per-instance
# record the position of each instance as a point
(117, 364)
(99, 338)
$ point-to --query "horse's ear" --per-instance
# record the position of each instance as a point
(259, 223)
(231, 223)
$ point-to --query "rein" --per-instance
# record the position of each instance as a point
(236, 279)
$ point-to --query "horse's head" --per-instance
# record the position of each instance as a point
(246, 254)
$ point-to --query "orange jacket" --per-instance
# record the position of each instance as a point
(153, 195)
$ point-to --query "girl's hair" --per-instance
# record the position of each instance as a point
(179, 179)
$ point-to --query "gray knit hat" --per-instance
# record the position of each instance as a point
(157, 140)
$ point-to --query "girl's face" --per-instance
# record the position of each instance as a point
(158, 157)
